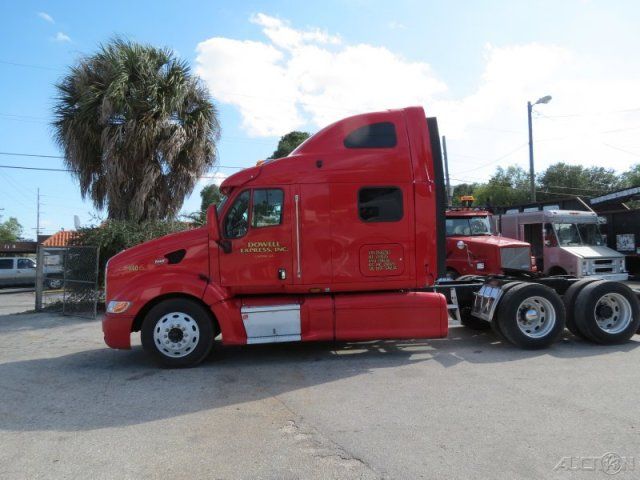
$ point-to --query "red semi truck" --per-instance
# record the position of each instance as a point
(342, 240)
(474, 248)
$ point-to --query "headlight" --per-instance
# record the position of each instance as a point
(118, 306)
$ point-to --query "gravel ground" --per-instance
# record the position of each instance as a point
(464, 407)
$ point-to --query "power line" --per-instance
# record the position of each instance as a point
(34, 155)
(14, 154)
(497, 159)
(622, 150)
(42, 169)
(29, 65)
(588, 114)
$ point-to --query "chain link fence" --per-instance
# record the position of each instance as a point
(67, 280)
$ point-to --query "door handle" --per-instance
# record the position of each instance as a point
(282, 274)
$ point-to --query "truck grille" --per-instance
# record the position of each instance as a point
(517, 258)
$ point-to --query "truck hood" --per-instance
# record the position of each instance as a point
(592, 252)
(161, 245)
(489, 240)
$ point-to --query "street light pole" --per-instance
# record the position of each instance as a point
(532, 171)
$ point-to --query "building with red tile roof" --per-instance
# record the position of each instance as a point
(60, 239)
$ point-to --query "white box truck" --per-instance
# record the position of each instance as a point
(565, 242)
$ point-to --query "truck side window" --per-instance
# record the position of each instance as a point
(236, 223)
(6, 263)
(376, 135)
(549, 236)
(380, 204)
(24, 263)
(267, 208)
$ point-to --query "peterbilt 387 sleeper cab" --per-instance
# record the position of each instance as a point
(342, 240)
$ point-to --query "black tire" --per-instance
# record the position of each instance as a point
(495, 326)
(569, 300)
(193, 323)
(511, 314)
(593, 310)
(54, 283)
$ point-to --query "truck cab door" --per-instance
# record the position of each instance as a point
(256, 235)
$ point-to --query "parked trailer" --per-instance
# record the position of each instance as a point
(344, 239)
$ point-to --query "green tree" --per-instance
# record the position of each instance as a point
(508, 186)
(10, 230)
(563, 179)
(631, 178)
(210, 195)
(137, 128)
(288, 143)
(463, 189)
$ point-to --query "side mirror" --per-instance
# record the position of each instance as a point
(214, 229)
(461, 245)
(212, 223)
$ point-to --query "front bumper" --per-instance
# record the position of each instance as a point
(117, 330)
(615, 277)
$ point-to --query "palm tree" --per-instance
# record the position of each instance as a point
(137, 129)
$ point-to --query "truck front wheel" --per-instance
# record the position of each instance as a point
(178, 332)
(531, 316)
(607, 312)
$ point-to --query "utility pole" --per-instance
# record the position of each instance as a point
(38, 217)
(446, 170)
(532, 171)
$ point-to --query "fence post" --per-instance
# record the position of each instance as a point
(39, 277)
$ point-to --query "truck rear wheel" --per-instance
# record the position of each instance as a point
(607, 312)
(495, 326)
(178, 333)
(569, 300)
(531, 316)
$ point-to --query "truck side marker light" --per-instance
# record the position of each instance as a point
(118, 306)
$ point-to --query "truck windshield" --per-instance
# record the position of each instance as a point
(468, 226)
(576, 234)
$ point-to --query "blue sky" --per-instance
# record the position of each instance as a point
(273, 66)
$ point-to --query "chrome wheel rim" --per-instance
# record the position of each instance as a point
(176, 334)
(536, 317)
(613, 313)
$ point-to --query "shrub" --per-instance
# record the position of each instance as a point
(113, 236)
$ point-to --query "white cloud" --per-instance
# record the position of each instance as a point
(46, 17)
(307, 75)
(308, 78)
(282, 35)
(62, 37)
(395, 25)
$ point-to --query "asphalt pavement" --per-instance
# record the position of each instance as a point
(467, 407)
